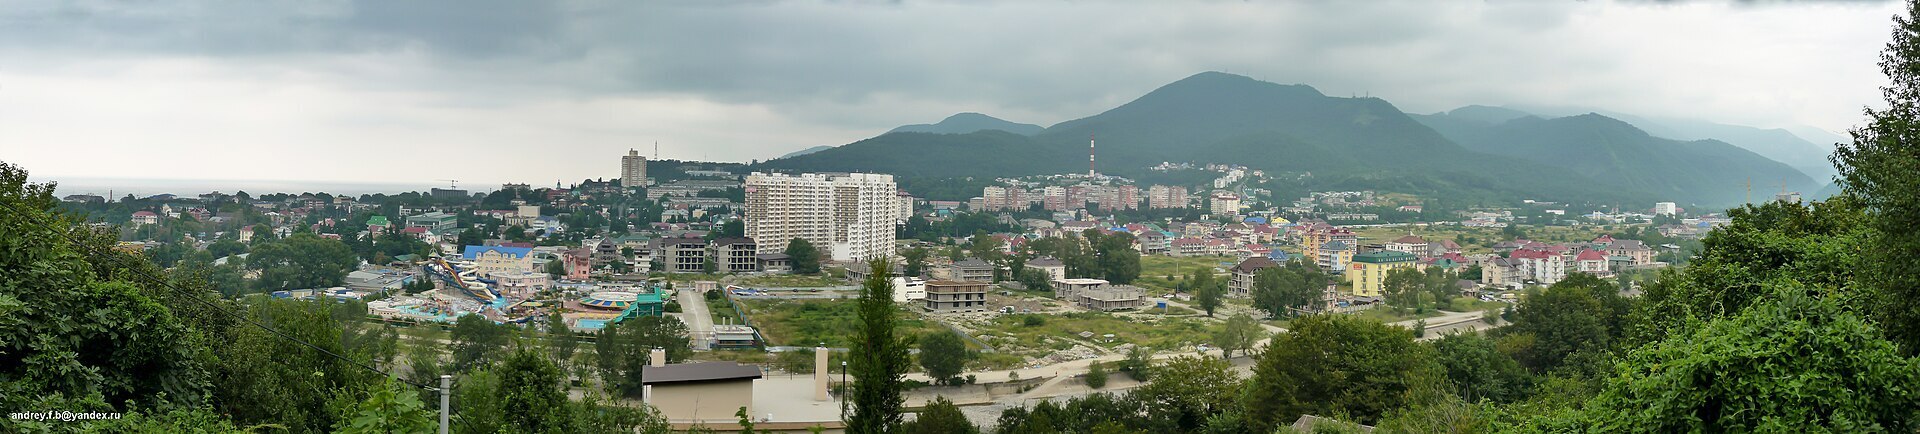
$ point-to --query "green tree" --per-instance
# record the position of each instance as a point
(1793, 362)
(1240, 333)
(735, 228)
(390, 408)
(1118, 261)
(265, 377)
(986, 247)
(477, 341)
(556, 268)
(1207, 289)
(471, 237)
(944, 356)
(225, 248)
(1035, 280)
(530, 387)
(879, 358)
(1282, 291)
(940, 417)
(1476, 369)
(805, 257)
(73, 328)
(1880, 169)
(916, 261)
(1403, 288)
(622, 350)
(1096, 375)
(1138, 364)
(424, 361)
(562, 343)
(1186, 391)
(478, 405)
(1335, 364)
(1579, 314)
(302, 261)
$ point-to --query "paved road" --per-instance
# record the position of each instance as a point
(699, 320)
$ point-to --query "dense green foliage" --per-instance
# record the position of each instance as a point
(915, 261)
(71, 329)
(477, 341)
(1282, 291)
(1879, 167)
(940, 417)
(1096, 375)
(943, 355)
(622, 351)
(1333, 364)
(389, 409)
(1577, 317)
(1792, 362)
(878, 358)
(1241, 333)
(1476, 370)
(301, 261)
(803, 255)
(1186, 391)
(1207, 289)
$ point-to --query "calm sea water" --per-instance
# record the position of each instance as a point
(120, 187)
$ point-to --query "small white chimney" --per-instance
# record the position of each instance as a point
(658, 358)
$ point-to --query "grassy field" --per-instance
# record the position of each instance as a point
(722, 313)
(810, 322)
(1389, 315)
(1470, 304)
(1013, 330)
(791, 281)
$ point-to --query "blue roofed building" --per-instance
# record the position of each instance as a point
(489, 261)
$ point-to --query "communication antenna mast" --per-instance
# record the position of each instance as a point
(1749, 190)
(450, 183)
(1090, 155)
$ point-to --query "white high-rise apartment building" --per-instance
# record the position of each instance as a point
(851, 215)
(633, 170)
(1225, 203)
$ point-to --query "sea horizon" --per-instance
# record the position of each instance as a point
(115, 188)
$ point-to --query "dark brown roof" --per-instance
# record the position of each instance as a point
(1254, 264)
(699, 372)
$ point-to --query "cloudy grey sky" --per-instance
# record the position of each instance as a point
(394, 92)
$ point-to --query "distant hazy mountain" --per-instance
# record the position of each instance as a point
(987, 153)
(1347, 143)
(1618, 154)
(1806, 154)
(969, 122)
(807, 151)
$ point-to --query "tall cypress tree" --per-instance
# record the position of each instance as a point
(879, 358)
(1882, 168)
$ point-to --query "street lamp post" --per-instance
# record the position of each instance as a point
(844, 388)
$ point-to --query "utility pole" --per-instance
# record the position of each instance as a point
(446, 387)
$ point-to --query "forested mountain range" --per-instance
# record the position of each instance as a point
(1345, 143)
